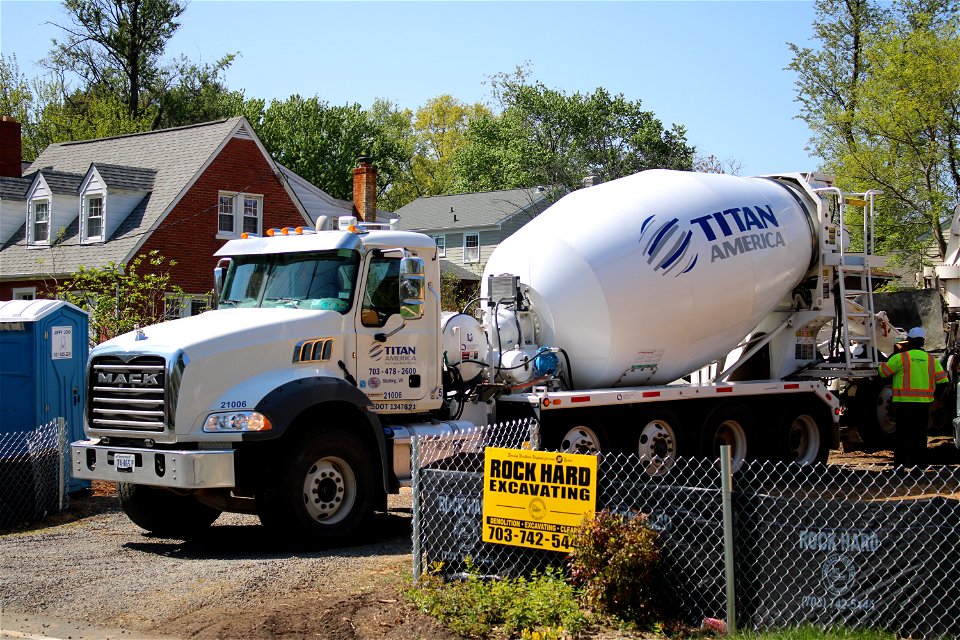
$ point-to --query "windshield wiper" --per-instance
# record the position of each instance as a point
(233, 302)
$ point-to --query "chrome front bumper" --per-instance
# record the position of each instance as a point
(206, 469)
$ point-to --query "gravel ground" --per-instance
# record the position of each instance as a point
(93, 565)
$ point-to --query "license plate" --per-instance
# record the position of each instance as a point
(125, 461)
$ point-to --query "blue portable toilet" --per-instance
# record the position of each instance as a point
(43, 358)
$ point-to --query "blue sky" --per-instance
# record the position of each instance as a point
(715, 67)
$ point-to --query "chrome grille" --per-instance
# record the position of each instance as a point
(127, 395)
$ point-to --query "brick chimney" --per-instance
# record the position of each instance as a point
(365, 190)
(11, 148)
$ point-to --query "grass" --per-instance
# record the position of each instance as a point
(546, 607)
(543, 606)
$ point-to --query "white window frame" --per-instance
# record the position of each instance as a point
(466, 258)
(85, 216)
(240, 203)
(185, 309)
(24, 293)
(32, 221)
(441, 241)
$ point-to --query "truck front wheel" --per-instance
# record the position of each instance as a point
(165, 513)
(322, 490)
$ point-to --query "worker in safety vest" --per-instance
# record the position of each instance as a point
(916, 375)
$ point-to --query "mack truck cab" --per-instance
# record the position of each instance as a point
(278, 402)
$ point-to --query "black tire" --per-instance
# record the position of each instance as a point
(870, 412)
(802, 434)
(580, 434)
(659, 439)
(165, 513)
(323, 491)
(728, 423)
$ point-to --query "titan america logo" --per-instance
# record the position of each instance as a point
(669, 246)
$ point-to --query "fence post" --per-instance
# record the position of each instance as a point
(726, 481)
(415, 483)
(61, 444)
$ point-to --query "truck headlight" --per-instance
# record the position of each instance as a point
(235, 421)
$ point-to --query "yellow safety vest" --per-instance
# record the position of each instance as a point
(915, 373)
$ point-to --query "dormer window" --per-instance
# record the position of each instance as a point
(93, 217)
(239, 213)
(40, 222)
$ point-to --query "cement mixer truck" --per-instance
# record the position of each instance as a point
(662, 314)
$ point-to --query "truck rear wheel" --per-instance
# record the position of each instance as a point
(322, 491)
(579, 436)
(658, 442)
(728, 423)
(165, 513)
(802, 434)
(871, 412)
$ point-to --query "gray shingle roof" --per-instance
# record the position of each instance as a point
(469, 210)
(62, 182)
(175, 155)
(455, 270)
(121, 177)
(15, 188)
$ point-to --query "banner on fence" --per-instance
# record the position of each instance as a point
(863, 564)
(536, 499)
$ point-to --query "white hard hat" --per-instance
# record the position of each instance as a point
(917, 332)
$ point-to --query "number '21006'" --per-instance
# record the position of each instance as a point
(233, 404)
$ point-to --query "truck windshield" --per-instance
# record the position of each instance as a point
(317, 281)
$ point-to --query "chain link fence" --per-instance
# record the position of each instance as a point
(865, 547)
(32, 474)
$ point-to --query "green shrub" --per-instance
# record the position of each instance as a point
(542, 606)
(614, 562)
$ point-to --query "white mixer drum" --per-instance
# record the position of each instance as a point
(647, 278)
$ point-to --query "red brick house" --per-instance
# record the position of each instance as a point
(182, 191)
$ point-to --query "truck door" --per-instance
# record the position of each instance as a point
(393, 354)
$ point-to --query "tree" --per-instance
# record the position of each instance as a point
(115, 46)
(896, 123)
(829, 79)
(548, 137)
(322, 142)
(17, 99)
(48, 113)
(188, 93)
(437, 133)
(120, 299)
(712, 164)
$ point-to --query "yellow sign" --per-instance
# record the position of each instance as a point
(536, 498)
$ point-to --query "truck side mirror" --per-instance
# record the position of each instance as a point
(219, 272)
(411, 288)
